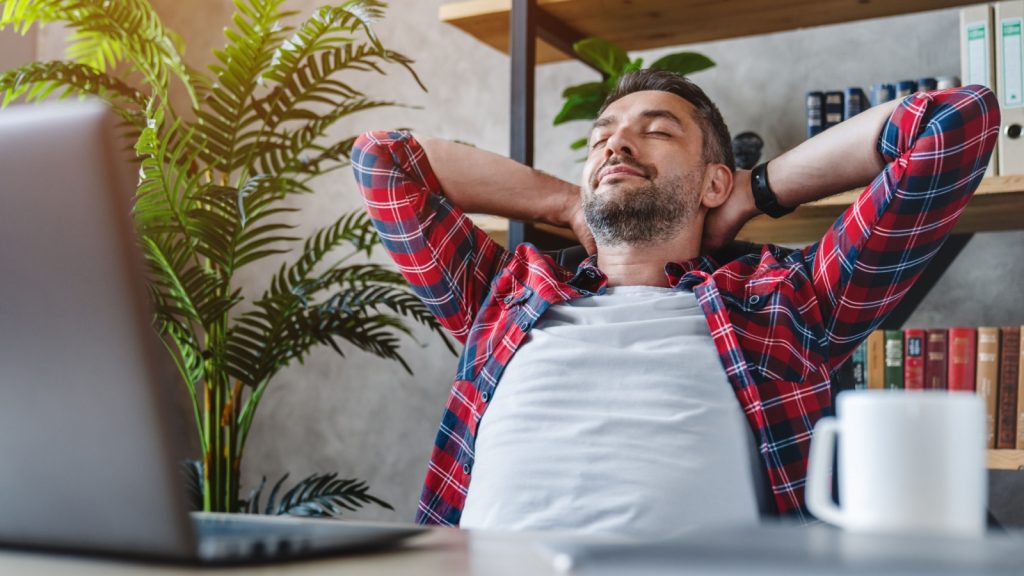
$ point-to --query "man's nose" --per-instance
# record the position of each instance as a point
(618, 144)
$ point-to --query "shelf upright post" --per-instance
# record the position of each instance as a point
(523, 51)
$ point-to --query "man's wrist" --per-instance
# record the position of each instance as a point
(763, 195)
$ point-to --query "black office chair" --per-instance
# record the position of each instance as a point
(572, 256)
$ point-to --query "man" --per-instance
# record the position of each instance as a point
(660, 386)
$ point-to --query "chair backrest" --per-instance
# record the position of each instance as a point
(572, 256)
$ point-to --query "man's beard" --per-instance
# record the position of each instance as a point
(643, 215)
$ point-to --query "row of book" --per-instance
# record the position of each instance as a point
(828, 108)
(987, 360)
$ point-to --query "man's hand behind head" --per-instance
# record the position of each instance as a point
(723, 223)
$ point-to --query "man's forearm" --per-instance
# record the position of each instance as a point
(841, 158)
(482, 182)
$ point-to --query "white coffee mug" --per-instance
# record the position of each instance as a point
(910, 462)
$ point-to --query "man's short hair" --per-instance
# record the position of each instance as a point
(717, 143)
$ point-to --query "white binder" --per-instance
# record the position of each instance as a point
(977, 47)
(1009, 22)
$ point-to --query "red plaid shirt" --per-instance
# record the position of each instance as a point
(782, 320)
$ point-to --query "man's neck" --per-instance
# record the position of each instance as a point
(628, 265)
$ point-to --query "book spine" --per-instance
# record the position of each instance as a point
(1009, 374)
(882, 93)
(927, 84)
(893, 360)
(860, 366)
(935, 360)
(961, 359)
(905, 88)
(856, 102)
(1020, 394)
(833, 109)
(815, 113)
(988, 377)
(913, 359)
(876, 360)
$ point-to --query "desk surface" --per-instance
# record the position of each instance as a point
(775, 549)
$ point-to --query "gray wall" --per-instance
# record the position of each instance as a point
(367, 418)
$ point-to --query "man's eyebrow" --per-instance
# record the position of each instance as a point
(647, 114)
(603, 121)
(661, 113)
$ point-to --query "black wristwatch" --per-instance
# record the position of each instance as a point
(764, 198)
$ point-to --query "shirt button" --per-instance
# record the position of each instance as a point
(508, 299)
(755, 299)
(591, 273)
(485, 397)
(465, 468)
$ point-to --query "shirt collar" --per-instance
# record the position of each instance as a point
(590, 279)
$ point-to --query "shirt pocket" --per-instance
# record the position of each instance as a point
(758, 292)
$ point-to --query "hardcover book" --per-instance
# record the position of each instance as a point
(815, 113)
(961, 359)
(1020, 395)
(988, 377)
(876, 360)
(894, 359)
(913, 359)
(935, 367)
(1009, 374)
(860, 366)
(834, 109)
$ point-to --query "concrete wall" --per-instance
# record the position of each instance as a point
(365, 417)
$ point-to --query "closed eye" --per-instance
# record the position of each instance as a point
(656, 133)
(598, 143)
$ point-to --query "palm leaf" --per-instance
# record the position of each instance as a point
(227, 119)
(38, 80)
(319, 495)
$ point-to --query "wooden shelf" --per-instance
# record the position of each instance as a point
(1006, 459)
(998, 204)
(642, 24)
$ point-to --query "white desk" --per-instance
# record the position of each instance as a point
(778, 549)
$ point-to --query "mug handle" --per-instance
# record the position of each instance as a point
(819, 473)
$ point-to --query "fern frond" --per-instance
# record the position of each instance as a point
(227, 119)
(319, 495)
(23, 14)
(38, 80)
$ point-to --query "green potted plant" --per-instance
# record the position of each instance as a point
(583, 101)
(214, 189)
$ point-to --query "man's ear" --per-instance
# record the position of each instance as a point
(718, 186)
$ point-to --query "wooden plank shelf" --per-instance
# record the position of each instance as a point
(643, 24)
(997, 205)
(1005, 459)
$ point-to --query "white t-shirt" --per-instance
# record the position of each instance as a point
(614, 417)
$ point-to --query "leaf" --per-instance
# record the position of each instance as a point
(583, 107)
(323, 495)
(683, 63)
(603, 55)
(633, 66)
(588, 90)
(581, 143)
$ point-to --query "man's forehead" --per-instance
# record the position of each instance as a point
(639, 105)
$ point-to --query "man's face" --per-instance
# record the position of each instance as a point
(644, 170)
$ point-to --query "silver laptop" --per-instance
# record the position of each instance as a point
(87, 462)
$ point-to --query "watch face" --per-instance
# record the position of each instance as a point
(746, 147)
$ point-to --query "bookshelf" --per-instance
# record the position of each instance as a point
(1005, 459)
(642, 24)
(540, 31)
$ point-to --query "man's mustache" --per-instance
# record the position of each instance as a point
(621, 161)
